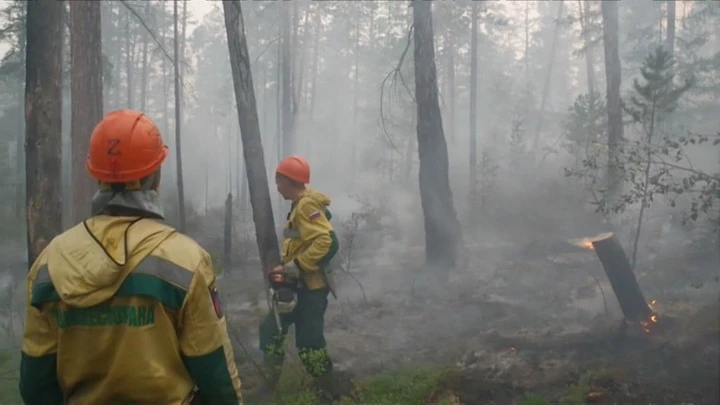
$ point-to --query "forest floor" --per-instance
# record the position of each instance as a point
(508, 328)
(527, 325)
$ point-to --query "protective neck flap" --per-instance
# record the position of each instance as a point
(146, 201)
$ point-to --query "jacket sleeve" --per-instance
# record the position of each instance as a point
(38, 358)
(315, 228)
(204, 342)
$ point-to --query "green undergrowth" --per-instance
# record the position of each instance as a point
(415, 386)
(575, 394)
(404, 387)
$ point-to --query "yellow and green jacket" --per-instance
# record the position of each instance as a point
(308, 238)
(125, 310)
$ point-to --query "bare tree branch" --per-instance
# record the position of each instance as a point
(393, 75)
(149, 31)
(267, 46)
(160, 45)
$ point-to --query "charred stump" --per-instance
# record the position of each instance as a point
(619, 272)
(622, 279)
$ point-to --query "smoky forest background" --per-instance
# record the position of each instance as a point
(464, 144)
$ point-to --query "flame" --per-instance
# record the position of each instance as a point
(649, 323)
(584, 243)
(587, 242)
(587, 245)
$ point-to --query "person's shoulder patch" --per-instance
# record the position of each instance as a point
(314, 215)
(217, 305)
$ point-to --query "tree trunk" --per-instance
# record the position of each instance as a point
(613, 75)
(43, 116)
(451, 82)
(442, 228)
(295, 50)
(178, 121)
(286, 63)
(409, 151)
(548, 77)
(20, 138)
(144, 78)
(300, 68)
(182, 52)
(117, 63)
(250, 131)
(356, 84)
(527, 42)
(670, 40)
(129, 58)
(165, 109)
(279, 110)
(313, 72)
(472, 136)
(227, 237)
(86, 96)
(589, 66)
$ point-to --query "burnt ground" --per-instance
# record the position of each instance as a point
(510, 324)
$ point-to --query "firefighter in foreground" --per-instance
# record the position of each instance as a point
(122, 308)
(300, 286)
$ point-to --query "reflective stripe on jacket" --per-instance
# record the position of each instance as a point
(125, 310)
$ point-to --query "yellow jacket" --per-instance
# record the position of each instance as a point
(309, 238)
(124, 310)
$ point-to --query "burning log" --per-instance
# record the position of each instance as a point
(619, 272)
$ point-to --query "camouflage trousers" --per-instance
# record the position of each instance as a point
(309, 320)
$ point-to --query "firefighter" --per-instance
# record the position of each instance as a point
(122, 308)
(301, 285)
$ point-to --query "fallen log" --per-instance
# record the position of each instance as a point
(619, 272)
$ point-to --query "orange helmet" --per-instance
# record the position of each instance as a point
(125, 146)
(295, 168)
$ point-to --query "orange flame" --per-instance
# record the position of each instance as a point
(587, 242)
(648, 324)
(584, 243)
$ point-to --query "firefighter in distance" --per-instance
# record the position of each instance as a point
(301, 284)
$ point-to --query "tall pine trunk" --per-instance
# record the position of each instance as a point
(20, 138)
(356, 84)
(144, 72)
(129, 58)
(584, 9)
(250, 131)
(472, 136)
(178, 120)
(43, 116)
(548, 77)
(286, 77)
(450, 38)
(442, 228)
(86, 96)
(613, 74)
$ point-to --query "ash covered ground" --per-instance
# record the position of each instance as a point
(513, 319)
